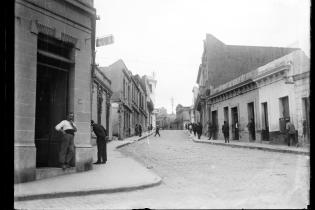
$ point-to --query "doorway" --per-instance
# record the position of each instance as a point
(265, 122)
(235, 123)
(215, 124)
(251, 117)
(306, 119)
(53, 65)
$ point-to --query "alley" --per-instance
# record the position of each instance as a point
(199, 175)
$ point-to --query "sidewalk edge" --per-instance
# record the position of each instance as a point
(251, 147)
(86, 192)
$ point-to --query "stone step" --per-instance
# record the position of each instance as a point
(46, 172)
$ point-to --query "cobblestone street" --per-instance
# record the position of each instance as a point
(199, 175)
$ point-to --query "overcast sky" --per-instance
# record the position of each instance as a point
(166, 36)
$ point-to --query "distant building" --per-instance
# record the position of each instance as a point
(182, 116)
(152, 82)
(121, 99)
(268, 95)
(222, 63)
(101, 95)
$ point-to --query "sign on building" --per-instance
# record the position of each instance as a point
(109, 39)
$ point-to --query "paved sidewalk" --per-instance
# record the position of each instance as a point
(120, 173)
(252, 145)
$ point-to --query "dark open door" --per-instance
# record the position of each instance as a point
(53, 65)
(51, 108)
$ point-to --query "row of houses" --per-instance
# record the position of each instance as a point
(267, 85)
(54, 74)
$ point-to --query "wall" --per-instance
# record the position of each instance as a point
(78, 26)
(240, 102)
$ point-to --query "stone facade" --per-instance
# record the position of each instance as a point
(42, 28)
(129, 101)
(101, 95)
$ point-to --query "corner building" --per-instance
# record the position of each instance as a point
(54, 41)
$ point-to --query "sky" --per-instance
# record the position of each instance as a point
(166, 36)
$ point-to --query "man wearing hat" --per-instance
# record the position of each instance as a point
(290, 132)
(101, 134)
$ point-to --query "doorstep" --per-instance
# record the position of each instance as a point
(47, 172)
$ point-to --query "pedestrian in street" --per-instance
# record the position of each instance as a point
(236, 130)
(190, 128)
(101, 135)
(251, 129)
(194, 127)
(136, 129)
(157, 129)
(199, 130)
(225, 131)
(140, 130)
(210, 130)
(67, 128)
(304, 131)
(290, 132)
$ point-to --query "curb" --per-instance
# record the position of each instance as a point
(85, 192)
(141, 138)
(92, 191)
(252, 147)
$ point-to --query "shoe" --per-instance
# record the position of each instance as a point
(63, 166)
(104, 162)
(97, 162)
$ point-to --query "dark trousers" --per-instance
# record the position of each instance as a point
(140, 133)
(66, 149)
(199, 134)
(226, 138)
(210, 134)
(291, 139)
(194, 133)
(157, 132)
(101, 150)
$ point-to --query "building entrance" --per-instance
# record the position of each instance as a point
(251, 117)
(235, 123)
(51, 100)
(215, 124)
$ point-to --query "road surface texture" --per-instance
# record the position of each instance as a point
(197, 175)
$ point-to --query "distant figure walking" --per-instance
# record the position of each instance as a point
(210, 130)
(194, 127)
(67, 128)
(157, 129)
(251, 130)
(140, 130)
(199, 130)
(225, 131)
(290, 132)
(190, 128)
(101, 134)
(136, 129)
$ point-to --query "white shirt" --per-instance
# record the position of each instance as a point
(64, 125)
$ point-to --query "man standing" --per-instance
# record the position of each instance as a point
(101, 134)
(290, 132)
(210, 130)
(199, 130)
(251, 129)
(225, 131)
(140, 130)
(67, 128)
(157, 130)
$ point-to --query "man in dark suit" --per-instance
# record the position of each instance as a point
(101, 134)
